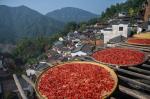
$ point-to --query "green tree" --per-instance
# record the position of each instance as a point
(29, 49)
(131, 6)
(82, 26)
(92, 21)
(131, 12)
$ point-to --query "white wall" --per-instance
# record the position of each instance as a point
(121, 15)
(106, 35)
(115, 29)
(115, 32)
(124, 32)
(148, 27)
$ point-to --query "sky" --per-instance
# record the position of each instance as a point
(45, 6)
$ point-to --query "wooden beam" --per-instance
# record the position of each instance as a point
(28, 80)
(37, 73)
(139, 84)
(21, 91)
(51, 65)
(135, 46)
(131, 73)
(142, 49)
(139, 70)
(133, 93)
(146, 65)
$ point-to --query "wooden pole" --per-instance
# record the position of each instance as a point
(28, 80)
(139, 70)
(21, 91)
(146, 65)
(136, 83)
(133, 93)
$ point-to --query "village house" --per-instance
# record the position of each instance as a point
(122, 14)
(73, 35)
(88, 49)
(99, 26)
(119, 29)
(78, 53)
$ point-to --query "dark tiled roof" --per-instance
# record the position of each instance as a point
(58, 43)
(119, 21)
(107, 29)
(41, 66)
(87, 48)
(60, 46)
(117, 39)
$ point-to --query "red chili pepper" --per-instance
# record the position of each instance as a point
(74, 81)
(139, 41)
(119, 56)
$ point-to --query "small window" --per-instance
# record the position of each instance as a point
(120, 28)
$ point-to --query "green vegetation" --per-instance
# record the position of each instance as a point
(33, 50)
(132, 7)
(70, 27)
(20, 22)
(30, 49)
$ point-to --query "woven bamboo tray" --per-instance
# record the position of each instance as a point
(116, 65)
(142, 35)
(112, 73)
(137, 43)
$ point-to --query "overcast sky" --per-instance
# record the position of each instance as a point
(45, 6)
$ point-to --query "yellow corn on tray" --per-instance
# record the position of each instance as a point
(143, 35)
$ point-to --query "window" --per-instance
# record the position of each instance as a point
(120, 28)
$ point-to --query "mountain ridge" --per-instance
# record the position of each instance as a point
(25, 22)
(68, 14)
(21, 21)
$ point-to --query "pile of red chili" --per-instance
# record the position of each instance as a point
(76, 81)
(119, 56)
(139, 41)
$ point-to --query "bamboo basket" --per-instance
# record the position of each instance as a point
(112, 73)
(142, 35)
(137, 43)
(116, 65)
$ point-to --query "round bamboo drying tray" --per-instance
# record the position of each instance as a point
(131, 65)
(142, 35)
(112, 73)
(137, 43)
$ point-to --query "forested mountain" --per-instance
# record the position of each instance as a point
(18, 22)
(130, 6)
(69, 14)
